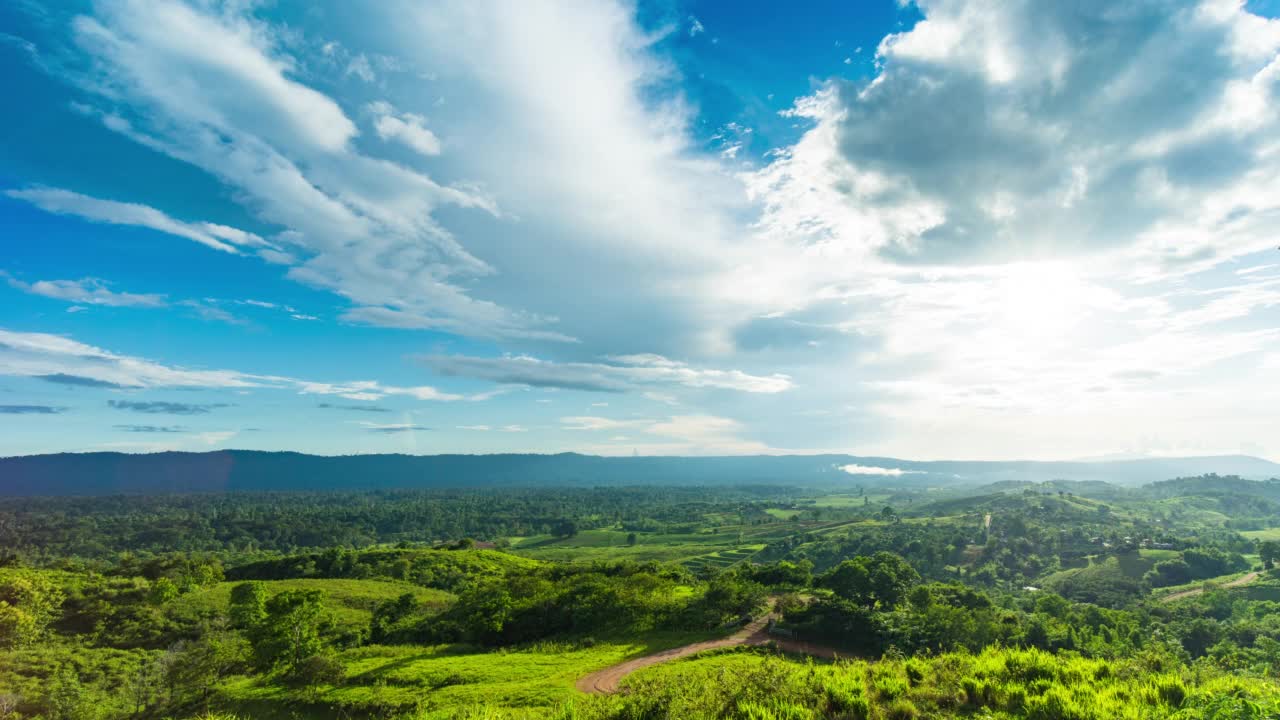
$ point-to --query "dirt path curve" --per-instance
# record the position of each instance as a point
(1242, 580)
(753, 633)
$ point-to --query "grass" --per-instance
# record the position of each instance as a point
(997, 683)
(438, 681)
(609, 544)
(351, 602)
(1268, 534)
(845, 501)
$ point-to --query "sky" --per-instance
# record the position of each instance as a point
(931, 229)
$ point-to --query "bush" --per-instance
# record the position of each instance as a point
(320, 670)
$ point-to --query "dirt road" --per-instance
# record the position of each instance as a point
(753, 633)
(1242, 580)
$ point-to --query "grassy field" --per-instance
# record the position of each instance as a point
(1268, 534)
(611, 544)
(849, 501)
(351, 602)
(438, 681)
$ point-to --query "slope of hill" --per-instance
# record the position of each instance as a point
(245, 470)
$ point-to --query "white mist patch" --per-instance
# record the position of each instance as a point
(873, 470)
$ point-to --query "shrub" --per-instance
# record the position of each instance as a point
(320, 670)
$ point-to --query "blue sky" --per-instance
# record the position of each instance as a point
(932, 229)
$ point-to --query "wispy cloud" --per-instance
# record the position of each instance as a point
(160, 407)
(161, 429)
(31, 410)
(60, 360)
(356, 408)
(80, 381)
(392, 428)
(624, 373)
(87, 291)
(66, 202)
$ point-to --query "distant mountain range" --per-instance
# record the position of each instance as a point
(249, 471)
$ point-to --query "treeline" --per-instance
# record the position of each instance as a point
(42, 530)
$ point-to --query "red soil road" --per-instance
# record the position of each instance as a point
(753, 633)
(1242, 580)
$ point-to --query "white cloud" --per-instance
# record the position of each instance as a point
(628, 372)
(1028, 207)
(874, 470)
(65, 202)
(89, 291)
(594, 423)
(227, 100)
(407, 128)
(75, 363)
(679, 435)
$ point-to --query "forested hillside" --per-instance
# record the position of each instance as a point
(1022, 600)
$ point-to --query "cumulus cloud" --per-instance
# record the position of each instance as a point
(1024, 204)
(627, 372)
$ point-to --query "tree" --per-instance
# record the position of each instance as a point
(248, 605)
(388, 613)
(880, 580)
(565, 528)
(68, 699)
(28, 603)
(292, 629)
(632, 539)
(196, 666)
(1269, 551)
(162, 591)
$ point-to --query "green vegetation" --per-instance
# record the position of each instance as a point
(1037, 601)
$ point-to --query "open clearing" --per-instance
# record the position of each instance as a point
(1242, 580)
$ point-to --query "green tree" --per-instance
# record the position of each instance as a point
(197, 666)
(28, 603)
(881, 580)
(1269, 551)
(68, 699)
(292, 629)
(162, 591)
(248, 605)
(388, 613)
